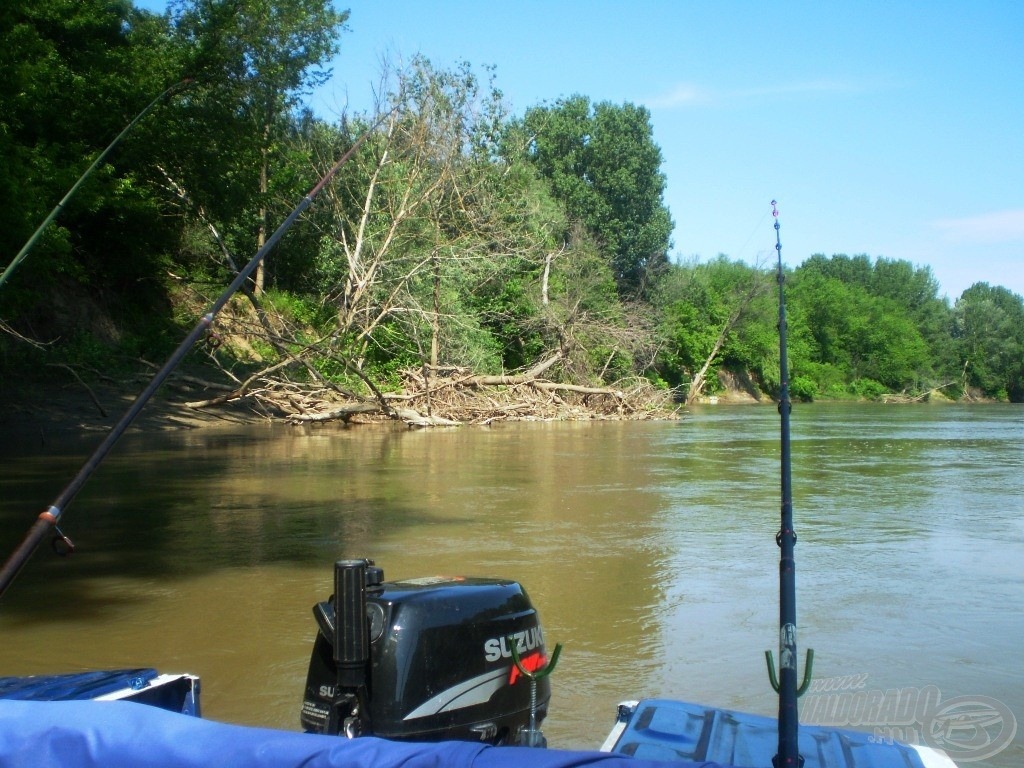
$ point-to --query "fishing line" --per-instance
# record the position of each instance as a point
(753, 233)
(181, 85)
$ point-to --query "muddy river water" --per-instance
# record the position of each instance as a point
(648, 549)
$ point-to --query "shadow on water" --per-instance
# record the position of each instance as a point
(177, 505)
(205, 551)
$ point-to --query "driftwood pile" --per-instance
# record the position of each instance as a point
(450, 397)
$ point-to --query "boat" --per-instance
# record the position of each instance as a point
(381, 691)
(419, 672)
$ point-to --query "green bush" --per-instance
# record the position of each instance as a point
(869, 389)
(803, 388)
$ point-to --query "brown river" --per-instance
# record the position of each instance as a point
(648, 549)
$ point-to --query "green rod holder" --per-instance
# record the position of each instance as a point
(808, 667)
(532, 736)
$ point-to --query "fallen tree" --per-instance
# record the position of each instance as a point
(445, 397)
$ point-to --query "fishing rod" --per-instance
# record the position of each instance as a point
(81, 179)
(51, 515)
(788, 755)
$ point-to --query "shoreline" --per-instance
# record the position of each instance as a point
(72, 408)
(60, 410)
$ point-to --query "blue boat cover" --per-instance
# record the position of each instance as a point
(115, 734)
(75, 685)
(176, 693)
(667, 730)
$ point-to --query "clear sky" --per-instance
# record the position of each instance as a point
(891, 129)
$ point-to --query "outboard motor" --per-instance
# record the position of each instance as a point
(425, 659)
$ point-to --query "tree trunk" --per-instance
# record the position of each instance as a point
(261, 233)
(435, 321)
(697, 385)
(699, 380)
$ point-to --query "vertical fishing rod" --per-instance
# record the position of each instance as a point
(51, 516)
(81, 180)
(788, 755)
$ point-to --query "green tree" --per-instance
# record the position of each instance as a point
(916, 291)
(603, 165)
(989, 329)
(434, 248)
(72, 76)
(711, 317)
(863, 321)
(254, 61)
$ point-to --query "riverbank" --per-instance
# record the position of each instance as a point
(75, 407)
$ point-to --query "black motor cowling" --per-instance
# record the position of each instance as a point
(424, 659)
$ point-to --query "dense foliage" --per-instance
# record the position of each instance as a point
(458, 236)
(603, 166)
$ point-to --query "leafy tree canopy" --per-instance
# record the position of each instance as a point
(455, 237)
(989, 330)
(603, 165)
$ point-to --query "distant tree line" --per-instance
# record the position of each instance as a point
(459, 236)
(858, 328)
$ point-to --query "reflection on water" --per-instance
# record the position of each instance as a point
(648, 548)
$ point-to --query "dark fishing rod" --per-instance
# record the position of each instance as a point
(81, 179)
(51, 516)
(788, 755)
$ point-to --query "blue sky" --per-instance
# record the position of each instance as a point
(893, 129)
